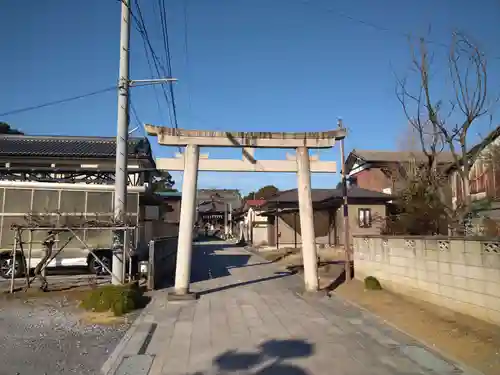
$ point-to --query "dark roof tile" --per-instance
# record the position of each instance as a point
(67, 147)
(320, 195)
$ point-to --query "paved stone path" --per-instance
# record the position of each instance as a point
(249, 319)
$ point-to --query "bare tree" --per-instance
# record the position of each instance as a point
(445, 123)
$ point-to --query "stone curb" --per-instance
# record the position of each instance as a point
(113, 362)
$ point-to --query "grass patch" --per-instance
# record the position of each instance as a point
(371, 283)
(119, 299)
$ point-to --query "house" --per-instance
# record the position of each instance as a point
(381, 170)
(215, 206)
(484, 177)
(66, 175)
(484, 174)
(254, 226)
(367, 209)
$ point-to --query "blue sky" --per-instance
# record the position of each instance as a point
(262, 65)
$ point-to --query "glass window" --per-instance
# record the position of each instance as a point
(99, 202)
(17, 201)
(99, 239)
(365, 217)
(7, 239)
(45, 201)
(132, 203)
(72, 201)
(74, 243)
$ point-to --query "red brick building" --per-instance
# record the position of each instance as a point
(377, 170)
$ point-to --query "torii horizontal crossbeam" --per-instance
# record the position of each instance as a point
(233, 165)
(182, 137)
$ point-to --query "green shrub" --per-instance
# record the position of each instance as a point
(371, 283)
(120, 299)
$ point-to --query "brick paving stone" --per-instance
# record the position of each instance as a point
(249, 319)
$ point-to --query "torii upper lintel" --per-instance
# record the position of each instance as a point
(182, 137)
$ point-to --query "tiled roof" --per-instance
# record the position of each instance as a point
(381, 157)
(255, 202)
(212, 207)
(69, 147)
(399, 156)
(320, 195)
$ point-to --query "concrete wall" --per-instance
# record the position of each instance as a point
(378, 211)
(328, 225)
(462, 275)
(289, 229)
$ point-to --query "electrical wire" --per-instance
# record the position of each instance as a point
(378, 27)
(55, 102)
(186, 55)
(156, 61)
(168, 57)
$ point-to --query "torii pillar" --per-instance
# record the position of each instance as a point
(190, 162)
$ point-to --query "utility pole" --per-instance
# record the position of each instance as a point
(121, 174)
(345, 208)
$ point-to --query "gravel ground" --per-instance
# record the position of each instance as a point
(48, 337)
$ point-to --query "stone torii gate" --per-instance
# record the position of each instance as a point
(190, 162)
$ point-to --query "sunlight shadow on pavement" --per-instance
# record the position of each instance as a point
(269, 359)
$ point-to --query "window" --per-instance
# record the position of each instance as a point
(365, 217)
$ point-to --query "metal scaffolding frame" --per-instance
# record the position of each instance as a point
(136, 176)
(50, 240)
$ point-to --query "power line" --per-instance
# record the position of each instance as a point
(391, 31)
(157, 63)
(186, 54)
(55, 102)
(168, 57)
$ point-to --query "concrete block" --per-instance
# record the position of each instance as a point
(444, 268)
(433, 277)
(491, 302)
(397, 261)
(431, 265)
(411, 272)
(462, 295)
(422, 275)
(477, 299)
(492, 275)
(430, 244)
(410, 262)
(472, 247)
(457, 246)
(428, 286)
(491, 260)
(459, 270)
(473, 259)
(431, 254)
(396, 242)
(397, 270)
(475, 285)
(474, 272)
(407, 281)
(444, 256)
(459, 282)
(445, 279)
(457, 257)
(447, 291)
(492, 289)
(420, 264)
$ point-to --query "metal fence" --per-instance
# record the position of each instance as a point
(162, 260)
